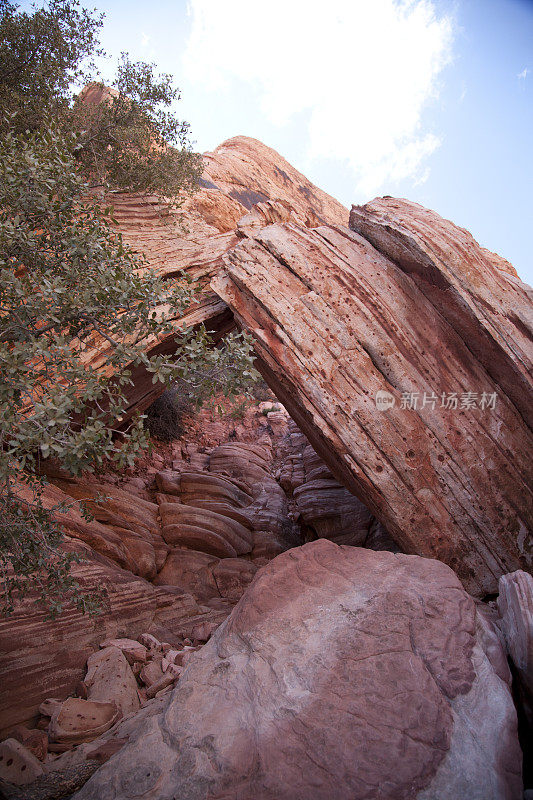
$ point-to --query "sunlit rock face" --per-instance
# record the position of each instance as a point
(252, 173)
(406, 305)
(240, 173)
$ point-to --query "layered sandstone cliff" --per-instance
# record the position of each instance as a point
(391, 302)
(403, 302)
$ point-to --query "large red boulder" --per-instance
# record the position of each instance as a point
(342, 673)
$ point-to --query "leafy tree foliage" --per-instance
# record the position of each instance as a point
(125, 136)
(66, 278)
(129, 140)
(42, 54)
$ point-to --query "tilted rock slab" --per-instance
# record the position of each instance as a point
(335, 321)
(341, 674)
(77, 720)
(18, 765)
(490, 311)
(238, 174)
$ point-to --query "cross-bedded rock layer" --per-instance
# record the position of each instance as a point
(405, 303)
(420, 315)
(172, 556)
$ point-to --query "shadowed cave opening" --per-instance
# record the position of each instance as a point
(325, 504)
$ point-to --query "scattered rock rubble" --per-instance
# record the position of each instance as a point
(122, 677)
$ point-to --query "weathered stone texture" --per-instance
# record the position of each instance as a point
(341, 673)
(335, 321)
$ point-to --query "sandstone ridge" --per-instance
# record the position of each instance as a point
(404, 303)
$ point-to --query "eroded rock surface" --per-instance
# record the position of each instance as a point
(172, 552)
(17, 764)
(341, 673)
(46, 658)
(515, 604)
(239, 173)
(110, 679)
(404, 302)
(253, 173)
(336, 320)
(78, 720)
(325, 506)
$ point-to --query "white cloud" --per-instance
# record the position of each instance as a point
(146, 45)
(522, 75)
(363, 71)
(422, 177)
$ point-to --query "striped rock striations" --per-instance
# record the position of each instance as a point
(403, 302)
(407, 304)
(171, 552)
(400, 306)
(239, 174)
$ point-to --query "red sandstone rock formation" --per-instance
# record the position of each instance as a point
(173, 552)
(411, 304)
(405, 302)
(489, 311)
(42, 658)
(252, 173)
(238, 174)
(515, 604)
(342, 673)
(336, 320)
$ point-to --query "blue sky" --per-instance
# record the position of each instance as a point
(429, 100)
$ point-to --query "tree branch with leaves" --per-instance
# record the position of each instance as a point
(67, 278)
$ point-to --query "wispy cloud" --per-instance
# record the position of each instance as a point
(422, 178)
(363, 71)
(145, 41)
(523, 75)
